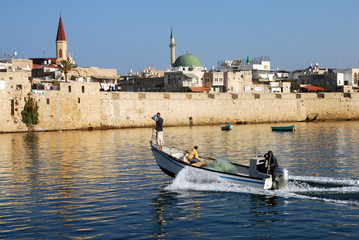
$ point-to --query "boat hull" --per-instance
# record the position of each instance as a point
(172, 167)
(283, 128)
(227, 127)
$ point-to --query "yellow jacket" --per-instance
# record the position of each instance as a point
(193, 153)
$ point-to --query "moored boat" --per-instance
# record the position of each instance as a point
(262, 172)
(283, 128)
(227, 127)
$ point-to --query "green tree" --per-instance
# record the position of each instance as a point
(65, 66)
(30, 114)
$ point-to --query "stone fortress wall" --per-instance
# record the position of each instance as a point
(79, 105)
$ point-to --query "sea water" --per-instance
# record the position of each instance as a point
(106, 185)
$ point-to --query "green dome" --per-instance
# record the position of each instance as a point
(187, 60)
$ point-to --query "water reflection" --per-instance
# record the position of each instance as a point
(171, 206)
(80, 184)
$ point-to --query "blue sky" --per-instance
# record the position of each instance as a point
(135, 34)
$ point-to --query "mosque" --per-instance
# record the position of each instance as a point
(186, 72)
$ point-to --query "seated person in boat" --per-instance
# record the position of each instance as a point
(193, 155)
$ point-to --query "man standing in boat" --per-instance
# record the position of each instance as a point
(159, 129)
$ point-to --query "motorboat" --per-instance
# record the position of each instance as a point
(262, 172)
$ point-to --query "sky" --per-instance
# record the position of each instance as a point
(135, 34)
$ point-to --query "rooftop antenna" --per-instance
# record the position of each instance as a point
(43, 53)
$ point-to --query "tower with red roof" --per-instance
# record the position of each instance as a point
(61, 44)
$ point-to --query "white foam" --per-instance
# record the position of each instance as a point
(298, 186)
(325, 180)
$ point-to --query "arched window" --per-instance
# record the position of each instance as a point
(60, 53)
(355, 79)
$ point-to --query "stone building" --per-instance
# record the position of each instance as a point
(186, 75)
(106, 78)
(215, 81)
(252, 76)
(13, 64)
(149, 80)
(350, 78)
(332, 80)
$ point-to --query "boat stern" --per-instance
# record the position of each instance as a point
(280, 178)
(268, 183)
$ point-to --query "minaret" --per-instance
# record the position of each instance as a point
(172, 46)
(61, 44)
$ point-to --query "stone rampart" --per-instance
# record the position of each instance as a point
(81, 106)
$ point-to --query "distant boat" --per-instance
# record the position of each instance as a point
(227, 127)
(284, 128)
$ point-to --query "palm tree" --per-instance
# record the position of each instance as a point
(65, 66)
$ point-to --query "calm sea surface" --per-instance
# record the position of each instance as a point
(106, 185)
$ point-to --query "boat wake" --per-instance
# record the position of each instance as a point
(324, 189)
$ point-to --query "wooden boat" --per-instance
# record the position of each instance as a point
(284, 128)
(262, 172)
(227, 127)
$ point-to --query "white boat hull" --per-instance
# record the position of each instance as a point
(172, 166)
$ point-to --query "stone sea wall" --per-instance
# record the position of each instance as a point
(82, 106)
(135, 109)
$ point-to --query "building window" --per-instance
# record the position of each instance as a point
(69, 88)
(18, 87)
(12, 107)
(48, 101)
(78, 100)
(83, 89)
(60, 53)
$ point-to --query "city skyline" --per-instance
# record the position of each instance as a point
(134, 35)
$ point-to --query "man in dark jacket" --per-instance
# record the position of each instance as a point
(159, 129)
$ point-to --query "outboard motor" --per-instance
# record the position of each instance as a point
(279, 175)
(280, 178)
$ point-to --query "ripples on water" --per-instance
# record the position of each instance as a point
(106, 185)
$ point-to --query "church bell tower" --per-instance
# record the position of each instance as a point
(61, 44)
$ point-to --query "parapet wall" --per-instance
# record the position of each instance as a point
(200, 109)
(85, 106)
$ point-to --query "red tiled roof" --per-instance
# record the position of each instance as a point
(199, 89)
(311, 87)
(38, 62)
(60, 32)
